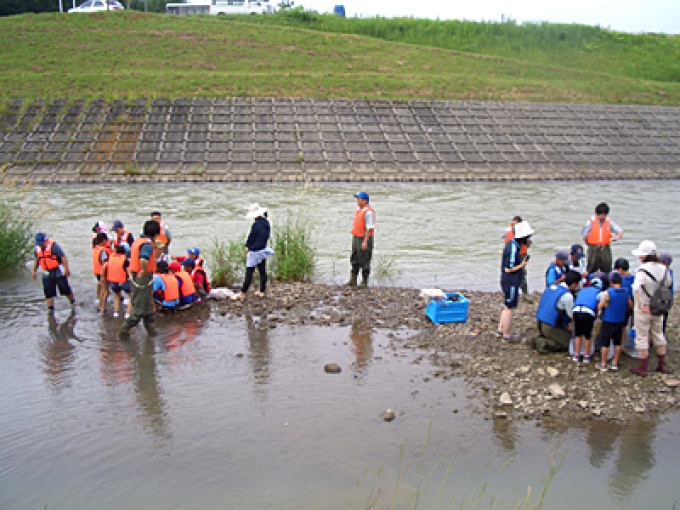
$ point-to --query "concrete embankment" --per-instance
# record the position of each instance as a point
(294, 140)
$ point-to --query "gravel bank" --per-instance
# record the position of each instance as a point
(510, 381)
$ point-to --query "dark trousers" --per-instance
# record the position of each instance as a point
(361, 259)
(599, 259)
(250, 271)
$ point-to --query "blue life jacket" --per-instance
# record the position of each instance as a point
(627, 283)
(587, 297)
(618, 304)
(554, 273)
(547, 309)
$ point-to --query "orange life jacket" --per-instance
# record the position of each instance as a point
(135, 262)
(115, 272)
(509, 234)
(599, 235)
(96, 259)
(122, 238)
(187, 288)
(206, 282)
(161, 235)
(171, 292)
(359, 225)
(46, 260)
(199, 261)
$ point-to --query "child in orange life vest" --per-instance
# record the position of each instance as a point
(198, 276)
(614, 302)
(165, 286)
(120, 235)
(100, 255)
(116, 274)
(187, 291)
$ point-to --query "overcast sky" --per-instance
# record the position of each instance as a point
(622, 15)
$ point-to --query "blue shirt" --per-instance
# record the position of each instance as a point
(159, 285)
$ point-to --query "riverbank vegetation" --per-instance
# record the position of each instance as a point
(16, 231)
(137, 55)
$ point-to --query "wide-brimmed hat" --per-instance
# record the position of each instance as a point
(255, 211)
(523, 229)
(645, 248)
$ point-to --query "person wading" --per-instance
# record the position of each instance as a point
(143, 256)
(363, 229)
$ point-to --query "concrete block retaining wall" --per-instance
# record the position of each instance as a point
(293, 140)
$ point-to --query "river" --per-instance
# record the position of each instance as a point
(222, 413)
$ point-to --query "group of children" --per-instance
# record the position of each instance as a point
(178, 282)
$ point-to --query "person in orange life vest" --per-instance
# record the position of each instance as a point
(257, 251)
(99, 228)
(598, 234)
(165, 236)
(614, 302)
(143, 255)
(649, 275)
(115, 271)
(508, 236)
(187, 291)
(120, 235)
(52, 261)
(198, 276)
(165, 286)
(557, 270)
(363, 228)
(100, 254)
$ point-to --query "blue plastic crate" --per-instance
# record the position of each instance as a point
(447, 310)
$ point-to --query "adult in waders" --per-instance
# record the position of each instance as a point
(142, 264)
(363, 229)
(598, 234)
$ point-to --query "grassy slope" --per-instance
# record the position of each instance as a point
(128, 55)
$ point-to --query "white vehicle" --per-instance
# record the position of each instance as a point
(221, 7)
(98, 5)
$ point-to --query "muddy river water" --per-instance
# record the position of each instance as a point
(218, 412)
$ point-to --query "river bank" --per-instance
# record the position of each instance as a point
(512, 382)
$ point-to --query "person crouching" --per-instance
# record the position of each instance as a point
(554, 315)
(187, 290)
(165, 287)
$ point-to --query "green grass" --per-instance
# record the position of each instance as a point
(294, 255)
(226, 263)
(136, 55)
(16, 230)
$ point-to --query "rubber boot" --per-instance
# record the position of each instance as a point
(364, 279)
(124, 333)
(641, 369)
(150, 329)
(661, 364)
(353, 279)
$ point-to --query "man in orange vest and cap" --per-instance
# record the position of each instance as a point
(598, 234)
(363, 228)
(50, 258)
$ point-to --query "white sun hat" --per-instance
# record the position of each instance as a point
(645, 248)
(523, 229)
(255, 211)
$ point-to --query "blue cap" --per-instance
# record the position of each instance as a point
(194, 251)
(40, 238)
(118, 224)
(577, 251)
(363, 195)
(190, 263)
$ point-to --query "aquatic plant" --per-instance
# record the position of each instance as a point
(226, 262)
(385, 268)
(295, 257)
(16, 230)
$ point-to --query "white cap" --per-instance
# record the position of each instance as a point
(645, 248)
(523, 229)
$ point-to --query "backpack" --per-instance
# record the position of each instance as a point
(661, 300)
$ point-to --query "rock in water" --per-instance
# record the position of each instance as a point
(505, 399)
(387, 415)
(332, 368)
